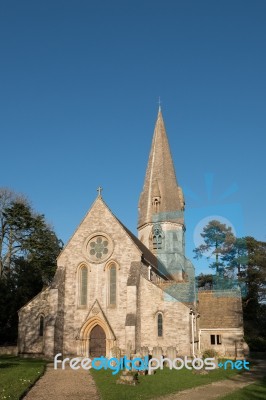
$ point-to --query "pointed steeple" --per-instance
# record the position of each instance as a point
(161, 193)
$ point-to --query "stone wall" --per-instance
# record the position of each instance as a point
(59, 283)
(99, 219)
(131, 323)
(9, 350)
(221, 315)
(232, 343)
(30, 341)
(176, 321)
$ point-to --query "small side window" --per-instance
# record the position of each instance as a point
(41, 326)
(216, 339)
(160, 325)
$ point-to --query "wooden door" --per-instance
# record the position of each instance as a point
(97, 342)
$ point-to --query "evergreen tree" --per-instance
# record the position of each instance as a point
(204, 281)
(28, 251)
(216, 237)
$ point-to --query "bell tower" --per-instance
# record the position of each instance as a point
(161, 224)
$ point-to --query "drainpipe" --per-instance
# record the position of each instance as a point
(192, 331)
(149, 272)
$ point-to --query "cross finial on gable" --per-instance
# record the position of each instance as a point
(99, 190)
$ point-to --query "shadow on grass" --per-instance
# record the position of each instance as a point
(8, 365)
(18, 375)
(9, 356)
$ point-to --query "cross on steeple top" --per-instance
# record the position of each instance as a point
(99, 190)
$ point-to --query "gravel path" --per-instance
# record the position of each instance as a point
(63, 385)
(221, 388)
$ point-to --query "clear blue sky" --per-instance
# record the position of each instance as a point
(79, 87)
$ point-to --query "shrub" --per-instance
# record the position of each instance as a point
(209, 353)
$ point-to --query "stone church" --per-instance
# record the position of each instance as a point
(114, 293)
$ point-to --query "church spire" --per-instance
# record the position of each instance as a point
(161, 193)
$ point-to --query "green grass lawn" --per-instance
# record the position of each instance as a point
(17, 375)
(161, 383)
(256, 391)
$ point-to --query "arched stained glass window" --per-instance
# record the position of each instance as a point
(112, 284)
(83, 285)
(160, 324)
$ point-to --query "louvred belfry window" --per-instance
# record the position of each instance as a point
(157, 238)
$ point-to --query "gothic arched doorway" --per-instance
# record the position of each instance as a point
(97, 342)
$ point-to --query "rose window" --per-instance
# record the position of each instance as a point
(98, 247)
